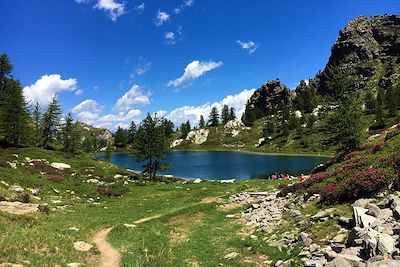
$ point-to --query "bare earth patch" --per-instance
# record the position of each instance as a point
(182, 224)
(230, 206)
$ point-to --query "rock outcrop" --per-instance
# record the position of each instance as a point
(198, 136)
(370, 49)
(235, 127)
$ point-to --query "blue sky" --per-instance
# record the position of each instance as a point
(112, 61)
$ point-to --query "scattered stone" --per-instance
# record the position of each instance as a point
(385, 263)
(17, 189)
(323, 214)
(304, 239)
(74, 264)
(18, 208)
(82, 246)
(56, 191)
(231, 256)
(197, 181)
(129, 225)
(12, 164)
(231, 181)
(120, 176)
(92, 181)
(60, 166)
(176, 143)
(230, 216)
(73, 228)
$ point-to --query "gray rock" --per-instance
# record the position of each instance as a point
(304, 239)
(384, 263)
(373, 210)
(357, 212)
(337, 247)
(363, 202)
(339, 262)
(17, 189)
(231, 256)
(386, 244)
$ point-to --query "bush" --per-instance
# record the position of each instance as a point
(332, 193)
(108, 192)
(44, 209)
(25, 198)
(378, 147)
(367, 183)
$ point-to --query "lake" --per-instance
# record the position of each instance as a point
(219, 165)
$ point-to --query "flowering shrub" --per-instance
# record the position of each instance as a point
(378, 147)
(332, 193)
(367, 183)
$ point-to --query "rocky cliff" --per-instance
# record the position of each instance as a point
(369, 47)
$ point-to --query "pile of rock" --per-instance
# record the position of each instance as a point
(235, 127)
(265, 208)
(373, 238)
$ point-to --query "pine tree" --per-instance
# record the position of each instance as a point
(132, 132)
(168, 127)
(37, 119)
(269, 127)
(70, 135)
(202, 123)
(5, 74)
(51, 122)
(345, 123)
(370, 102)
(232, 114)
(150, 144)
(379, 112)
(225, 114)
(121, 137)
(15, 120)
(391, 101)
(213, 119)
(185, 129)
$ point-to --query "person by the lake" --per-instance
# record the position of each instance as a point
(302, 178)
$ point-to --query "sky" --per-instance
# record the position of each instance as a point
(113, 61)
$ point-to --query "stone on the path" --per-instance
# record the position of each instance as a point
(60, 166)
(74, 264)
(82, 246)
(197, 181)
(18, 208)
(231, 256)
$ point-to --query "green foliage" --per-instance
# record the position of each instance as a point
(15, 121)
(202, 122)
(37, 126)
(132, 132)
(121, 137)
(185, 129)
(232, 114)
(214, 117)
(168, 127)
(150, 144)
(392, 101)
(370, 102)
(51, 122)
(225, 114)
(70, 135)
(345, 123)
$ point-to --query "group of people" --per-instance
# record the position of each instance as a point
(283, 176)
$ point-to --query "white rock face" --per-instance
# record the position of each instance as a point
(261, 141)
(197, 181)
(298, 114)
(176, 143)
(60, 166)
(198, 137)
(235, 127)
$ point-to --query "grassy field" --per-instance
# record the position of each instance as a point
(188, 225)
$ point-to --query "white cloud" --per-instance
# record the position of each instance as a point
(185, 4)
(123, 119)
(81, 1)
(87, 111)
(79, 92)
(135, 96)
(113, 8)
(48, 86)
(161, 18)
(140, 8)
(249, 46)
(170, 38)
(192, 113)
(194, 70)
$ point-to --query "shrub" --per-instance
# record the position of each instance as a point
(2, 198)
(378, 147)
(25, 198)
(4, 164)
(332, 193)
(367, 183)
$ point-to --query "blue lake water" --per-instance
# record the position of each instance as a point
(223, 165)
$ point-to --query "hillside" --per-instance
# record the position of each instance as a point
(280, 120)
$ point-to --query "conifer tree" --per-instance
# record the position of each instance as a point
(370, 102)
(121, 137)
(379, 112)
(232, 114)
(202, 123)
(132, 132)
(168, 127)
(213, 119)
(15, 121)
(70, 135)
(150, 144)
(185, 129)
(37, 119)
(225, 114)
(51, 122)
(391, 101)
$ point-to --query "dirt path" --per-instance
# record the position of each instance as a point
(109, 257)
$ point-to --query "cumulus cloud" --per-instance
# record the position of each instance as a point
(249, 46)
(87, 111)
(161, 18)
(122, 119)
(48, 86)
(134, 97)
(194, 70)
(113, 8)
(185, 4)
(170, 38)
(140, 8)
(78, 92)
(192, 113)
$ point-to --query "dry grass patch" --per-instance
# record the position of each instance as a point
(258, 260)
(207, 200)
(182, 225)
(230, 206)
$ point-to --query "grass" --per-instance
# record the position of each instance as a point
(185, 231)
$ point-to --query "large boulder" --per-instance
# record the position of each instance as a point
(235, 127)
(60, 166)
(18, 208)
(198, 136)
(176, 143)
